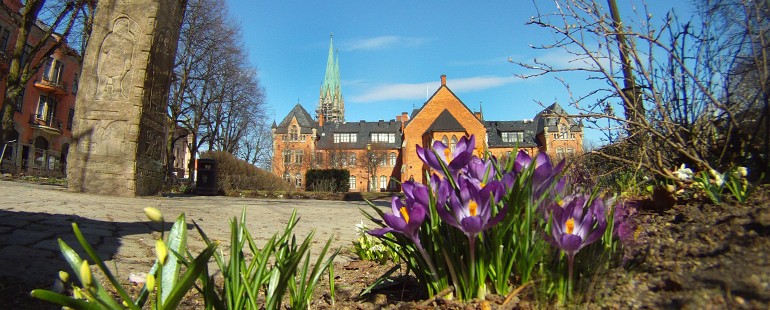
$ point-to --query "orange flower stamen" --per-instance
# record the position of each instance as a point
(570, 225)
(404, 214)
(473, 207)
(448, 154)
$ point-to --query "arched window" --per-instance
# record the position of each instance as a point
(298, 180)
(445, 140)
(392, 159)
(453, 143)
(294, 133)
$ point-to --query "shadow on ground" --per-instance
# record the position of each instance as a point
(30, 255)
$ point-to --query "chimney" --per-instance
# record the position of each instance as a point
(403, 118)
(320, 120)
(443, 80)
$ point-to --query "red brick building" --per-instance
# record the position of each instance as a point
(381, 154)
(44, 113)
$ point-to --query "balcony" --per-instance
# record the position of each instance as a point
(51, 86)
(51, 125)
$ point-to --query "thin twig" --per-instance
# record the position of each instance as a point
(437, 296)
(515, 292)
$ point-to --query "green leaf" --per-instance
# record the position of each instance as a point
(65, 301)
(176, 242)
(189, 277)
(74, 260)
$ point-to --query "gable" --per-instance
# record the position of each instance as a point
(453, 112)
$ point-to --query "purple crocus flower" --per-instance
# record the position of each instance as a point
(623, 221)
(453, 160)
(576, 226)
(470, 207)
(405, 220)
(478, 170)
(545, 178)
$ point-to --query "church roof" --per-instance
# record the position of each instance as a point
(445, 122)
(304, 120)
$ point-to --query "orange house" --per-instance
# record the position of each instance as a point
(44, 113)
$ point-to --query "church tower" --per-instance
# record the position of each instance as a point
(331, 104)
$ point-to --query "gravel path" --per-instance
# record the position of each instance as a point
(33, 217)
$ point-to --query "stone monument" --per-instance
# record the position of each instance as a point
(120, 112)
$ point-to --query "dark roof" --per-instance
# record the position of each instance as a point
(363, 130)
(495, 131)
(304, 120)
(547, 119)
(445, 122)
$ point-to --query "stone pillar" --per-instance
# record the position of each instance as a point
(120, 112)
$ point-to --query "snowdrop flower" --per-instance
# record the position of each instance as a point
(684, 173)
(743, 171)
(718, 179)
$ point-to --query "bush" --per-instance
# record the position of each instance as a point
(237, 174)
(327, 180)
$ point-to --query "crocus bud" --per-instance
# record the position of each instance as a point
(64, 276)
(85, 274)
(161, 251)
(153, 214)
(150, 282)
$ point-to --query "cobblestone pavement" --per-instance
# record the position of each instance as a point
(33, 217)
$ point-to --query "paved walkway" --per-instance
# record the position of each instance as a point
(33, 217)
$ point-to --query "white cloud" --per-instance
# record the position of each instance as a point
(382, 42)
(417, 91)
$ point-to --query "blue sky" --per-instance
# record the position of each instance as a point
(392, 51)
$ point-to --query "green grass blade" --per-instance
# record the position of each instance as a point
(176, 242)
(74, 261)
(189, 277)
(65, 301)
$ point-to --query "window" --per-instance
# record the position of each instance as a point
(25, 55)
(298, 180)
(570, 151)
(20, 100)
(392, 159)
(564, 132)
(286, 156)
(298, 156)
(452, 144)
(352, 160)
(52, 71)
(383, 182)
(345, 137)
(559, 153)
(45, 108)
(293, 133)
(302, 138)
(75, 81)
(352, 182)
(319, 158)
(287, 177)
(445, 140)
(70, 118)
(4, 35)
(513, 137)
(383, 137)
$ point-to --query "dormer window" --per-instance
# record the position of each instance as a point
(564, 132)
(294, 133)
(513, 136)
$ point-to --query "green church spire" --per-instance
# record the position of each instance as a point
(331, 103)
